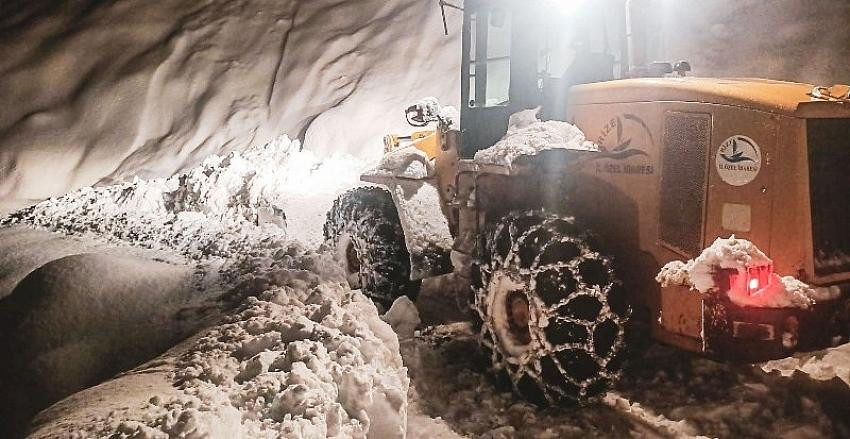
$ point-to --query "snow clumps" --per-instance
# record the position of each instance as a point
(303, 362)
(403, 317)
(528, 136)
(407, 162)
(303, 359)
(825, 365)
(739, 254)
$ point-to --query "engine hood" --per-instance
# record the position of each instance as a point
(786, 98)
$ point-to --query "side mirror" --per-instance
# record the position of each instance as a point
(682, 67)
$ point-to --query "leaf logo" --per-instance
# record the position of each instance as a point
(623, 148)
(738, 160)
(737, 156)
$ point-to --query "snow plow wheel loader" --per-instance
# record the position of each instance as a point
(561, 238)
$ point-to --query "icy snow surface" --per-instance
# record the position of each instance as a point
(666, 394)
(738, 254)
(527, 136)
(826, 365)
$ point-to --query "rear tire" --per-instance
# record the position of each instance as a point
(551, 313)
(364, 229)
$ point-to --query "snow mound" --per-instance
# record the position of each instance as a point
(303, 359)
(223, 206)
(528, 136)
(80, 319)
(738, 254)
(723, 253)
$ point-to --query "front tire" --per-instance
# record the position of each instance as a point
(551, 313)
(364, 230)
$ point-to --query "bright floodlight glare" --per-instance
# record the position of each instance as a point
(567, 7)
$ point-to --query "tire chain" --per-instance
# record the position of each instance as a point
(526, 246)
(368, 216)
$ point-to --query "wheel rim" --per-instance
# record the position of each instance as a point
(510, 315)
(352, 259)
(349, 257)
(518, 317)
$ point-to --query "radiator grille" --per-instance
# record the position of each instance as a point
(683, 179)
(829, 154)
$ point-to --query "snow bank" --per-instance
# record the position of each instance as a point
(80, 319)
(528, 136)
(303, 359)
(739, 254)
(113, 90)
(23, 250)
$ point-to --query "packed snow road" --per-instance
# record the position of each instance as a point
(663, 393)
(282, 347)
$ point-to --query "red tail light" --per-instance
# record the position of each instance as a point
(754, 284)
(757, 277)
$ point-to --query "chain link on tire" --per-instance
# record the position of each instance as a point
(364, 229)
(570, 348)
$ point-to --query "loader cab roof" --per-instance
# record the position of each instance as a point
(785, 98)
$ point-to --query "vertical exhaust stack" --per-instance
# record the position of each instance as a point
(629, 56)
(635, 39)
(644, 39)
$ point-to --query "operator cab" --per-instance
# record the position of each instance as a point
(517, 57)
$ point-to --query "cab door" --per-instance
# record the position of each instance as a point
(499, 69)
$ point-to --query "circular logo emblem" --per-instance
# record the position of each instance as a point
(738, 160)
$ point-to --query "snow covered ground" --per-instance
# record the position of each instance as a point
(229, 251)
(220, 229)
(666, 394)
